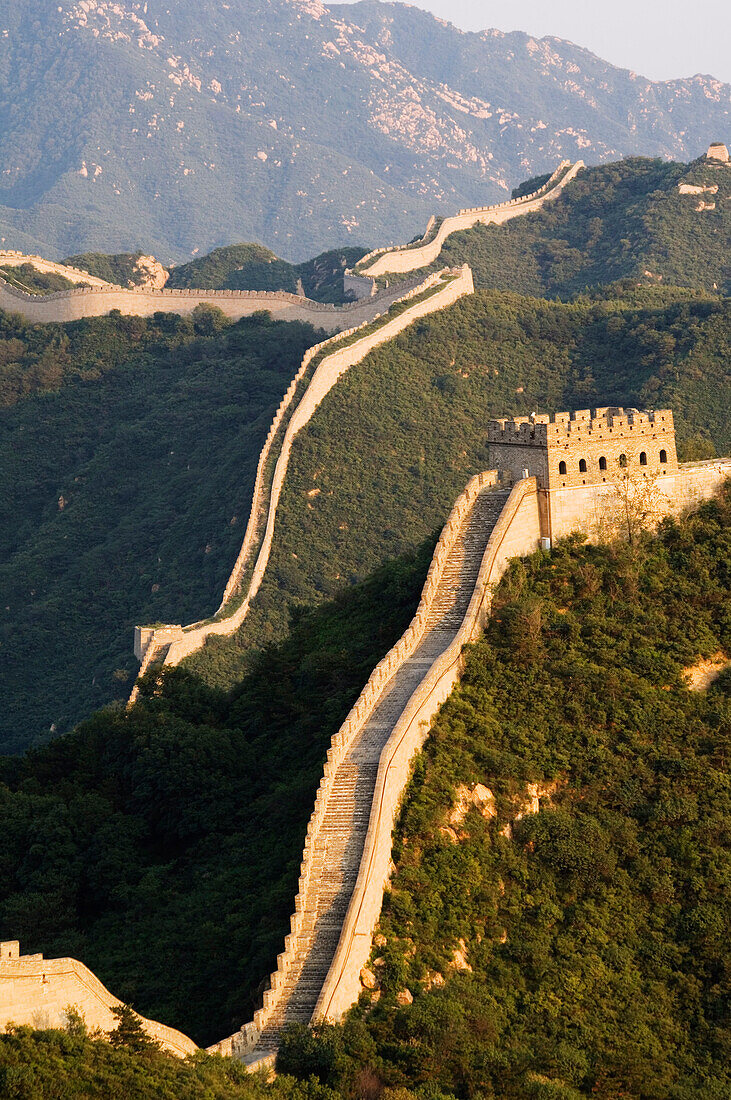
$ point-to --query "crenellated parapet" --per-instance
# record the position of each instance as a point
(575, 428)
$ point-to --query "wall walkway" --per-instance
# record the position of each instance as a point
(171, 644)
(348, 845)
(98, 300)
(383, 261)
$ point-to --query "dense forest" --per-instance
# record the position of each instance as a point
(561, 936)
(128, 453)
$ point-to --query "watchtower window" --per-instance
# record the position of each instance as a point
(643, 458)
(602, 463)
(582, 465)
(623, 461)
(663, 456)
(562, 467)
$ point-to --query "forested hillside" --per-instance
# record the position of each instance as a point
(129, 449)
(119, 270)
(626, 220)
(252, 267)
(574, 951)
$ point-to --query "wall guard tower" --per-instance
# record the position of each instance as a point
(579, 458)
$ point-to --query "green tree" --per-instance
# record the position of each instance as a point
(130, 1033)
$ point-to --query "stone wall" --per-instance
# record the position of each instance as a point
(11, 258)
(180, 642)
(400, 260)
(37, 992)
(516, 533)
(354, 722)
(97, 301)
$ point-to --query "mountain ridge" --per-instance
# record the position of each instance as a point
(151, 122)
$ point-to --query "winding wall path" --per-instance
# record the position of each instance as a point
(171, 644)
(98, 300)
(337, 850)
(383, 261)
(346, 857)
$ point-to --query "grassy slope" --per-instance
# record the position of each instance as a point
(392, 445)
(129, 453)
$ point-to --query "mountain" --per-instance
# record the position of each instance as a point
(179, 128)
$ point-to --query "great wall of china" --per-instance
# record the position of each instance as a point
(400, 260)
(346, 857)
(171, 644)
(96, 301)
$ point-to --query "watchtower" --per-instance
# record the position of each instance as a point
(587, 447)
(573, 455)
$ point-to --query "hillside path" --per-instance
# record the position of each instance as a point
(340, 842)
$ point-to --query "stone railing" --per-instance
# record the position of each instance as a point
(181, 641)
(398, 259)
(516, 533)
(357, 717)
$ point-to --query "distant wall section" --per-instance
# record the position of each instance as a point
(400, 260)
(97, 301)
(49, 267)
(37, 992)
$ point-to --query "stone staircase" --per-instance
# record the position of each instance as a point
(340, 841)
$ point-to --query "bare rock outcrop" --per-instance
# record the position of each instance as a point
(149, 274)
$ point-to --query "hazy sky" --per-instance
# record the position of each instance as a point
(660, 39)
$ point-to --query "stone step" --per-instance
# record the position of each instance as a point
(335, 858)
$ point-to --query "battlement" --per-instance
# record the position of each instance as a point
(567, 428)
